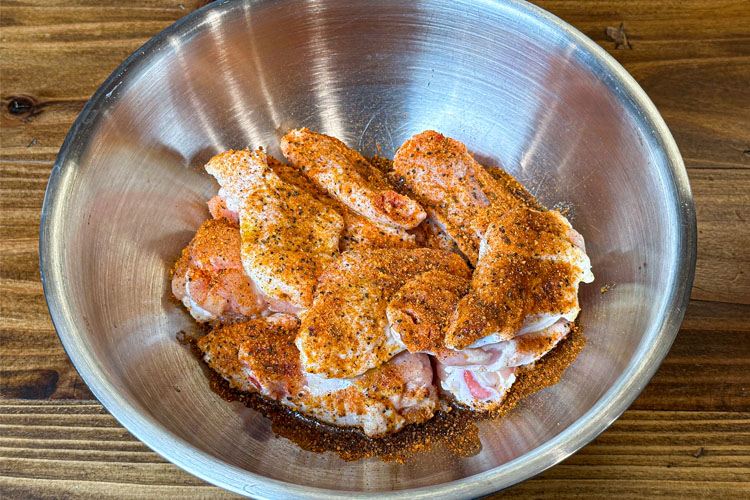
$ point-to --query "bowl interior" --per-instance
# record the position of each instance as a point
(518, 88)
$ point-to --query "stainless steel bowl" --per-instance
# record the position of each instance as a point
(517, 85)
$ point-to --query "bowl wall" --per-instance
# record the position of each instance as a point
(519, 87)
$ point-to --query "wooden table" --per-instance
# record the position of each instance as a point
(687, 435)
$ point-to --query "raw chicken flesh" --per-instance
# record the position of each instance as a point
(347, 176)
(288, 237)
(346, 331)
(479, 391)
(480, 377)
(260, 356)
(209, 278)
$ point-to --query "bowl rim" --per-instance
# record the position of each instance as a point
(641, 368)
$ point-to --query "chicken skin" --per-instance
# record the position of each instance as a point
(346, 332)
(453, 188)
(480, 377)
(288, 236)
(348, 177)
(359, 231)
(260, 356)
(209, 279)
(419, 312)
(530, 266)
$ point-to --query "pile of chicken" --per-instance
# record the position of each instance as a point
(368, 297)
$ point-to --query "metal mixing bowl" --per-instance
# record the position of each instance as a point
(517, 85)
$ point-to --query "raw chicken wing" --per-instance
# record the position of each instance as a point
(359, 231)
(381, 401)
(209, 278)
(454, 189)
(530, 265)
(346, 332)
(348, 177)
(288, 237)
(257, 355)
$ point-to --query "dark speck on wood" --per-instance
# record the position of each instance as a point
(619, 36)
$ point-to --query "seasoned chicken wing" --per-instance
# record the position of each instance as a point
(359, 231)
(419, 312)
(530, 266)
(381, 401)
(346, 331)
(347, 176)
(453, 188)
(288, 237)
(260, 356)
(209, 278)
(257, 355)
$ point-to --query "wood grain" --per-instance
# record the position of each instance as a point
(686, 436)
(76, 444)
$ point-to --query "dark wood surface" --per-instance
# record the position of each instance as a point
(686, 436)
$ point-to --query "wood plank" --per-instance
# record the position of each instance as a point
(696, 73)
(675, 62)
(65, 443)
(92, 37)
(45, 489)
(706, 369)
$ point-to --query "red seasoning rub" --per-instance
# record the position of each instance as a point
(346, 332)
(288, 236)
(420, 310)
(454, 189)
(528, 271)
(350, 178)
(209, 278)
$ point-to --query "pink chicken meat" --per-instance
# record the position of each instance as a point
(260, 356)
(209, 279)
(348, 177)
